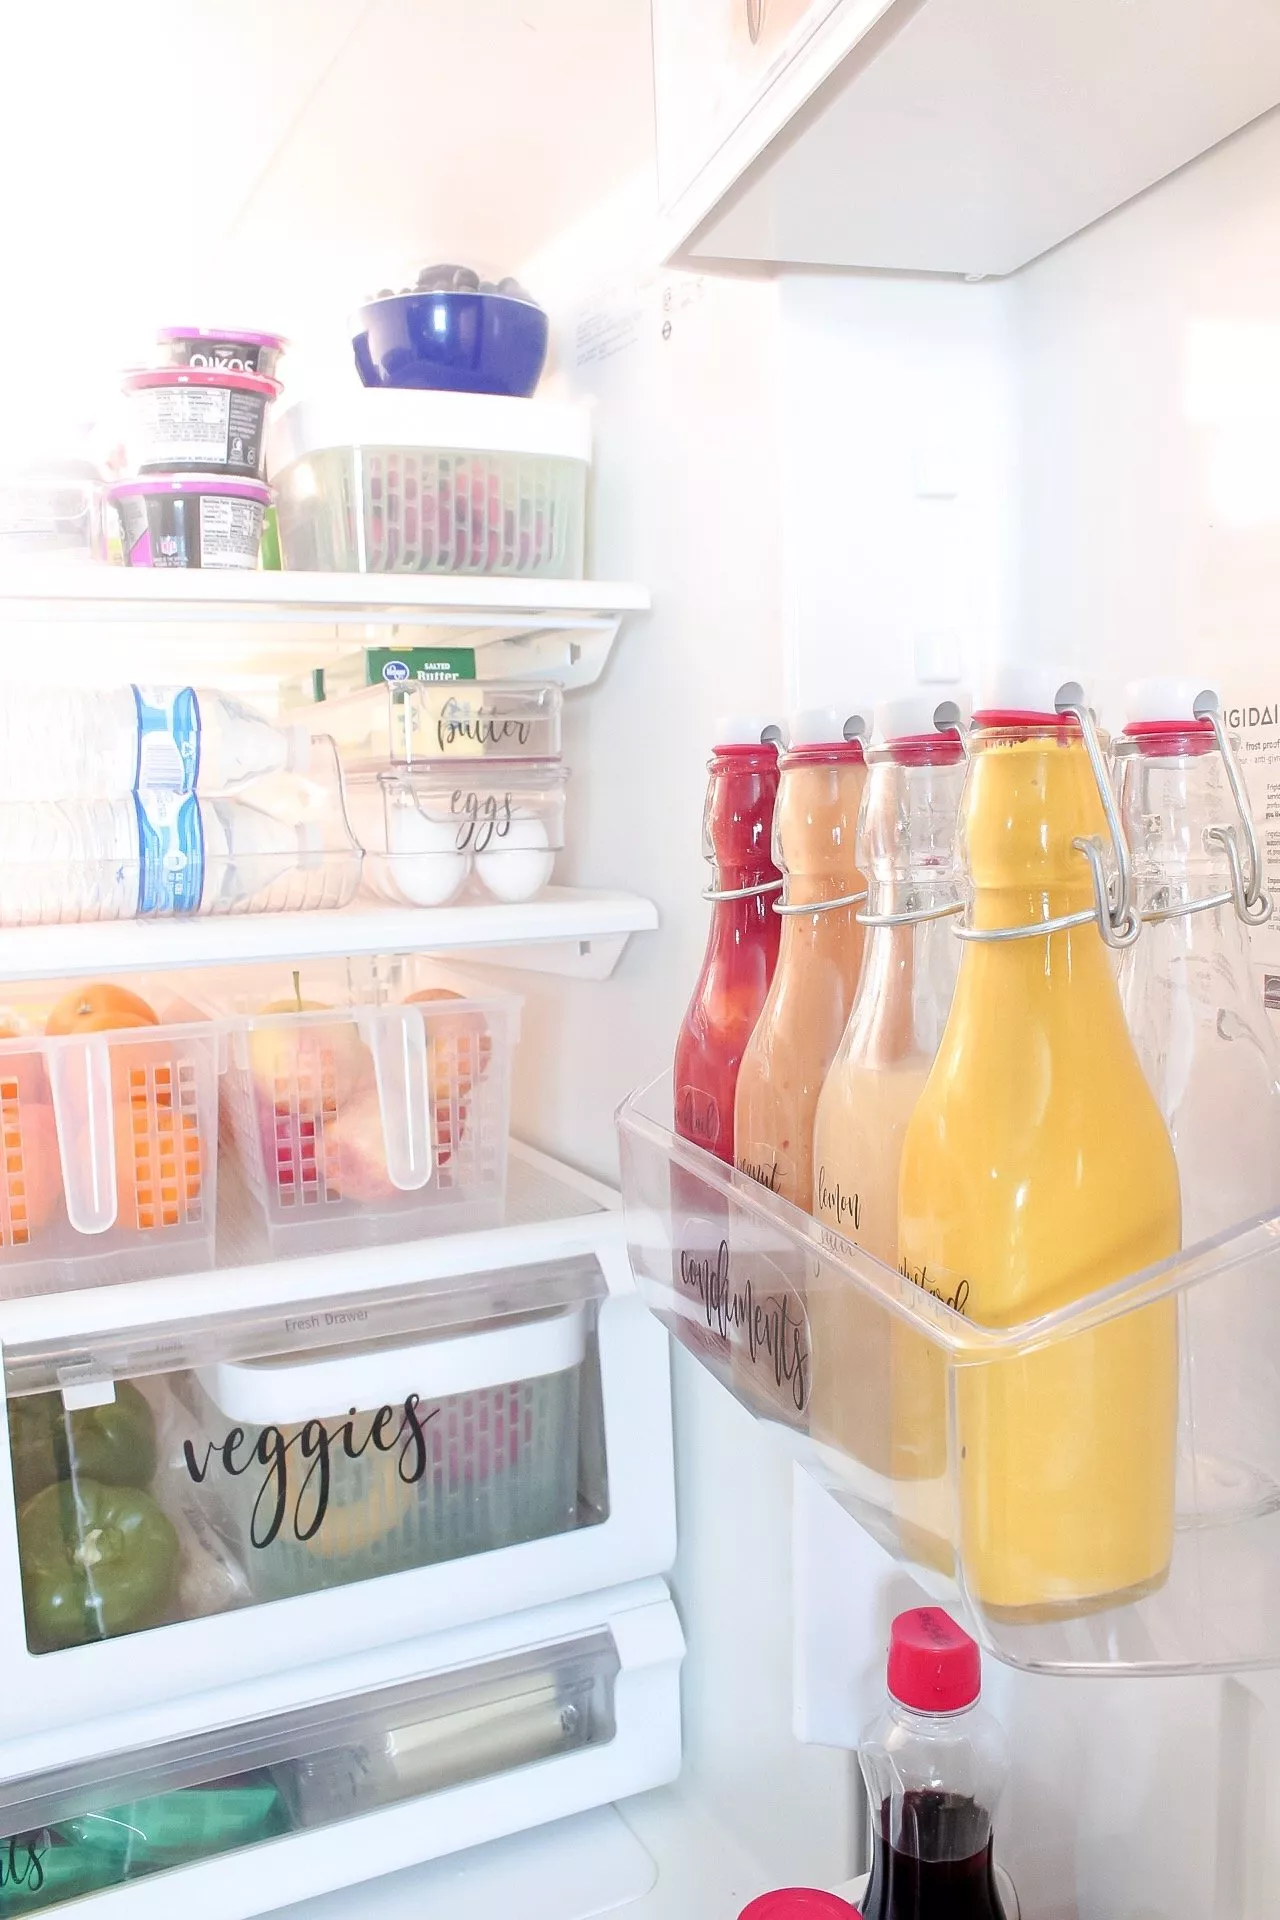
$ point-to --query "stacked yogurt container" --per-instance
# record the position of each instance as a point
(453, 786)
(197, 449)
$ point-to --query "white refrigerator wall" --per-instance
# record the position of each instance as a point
(687, 495)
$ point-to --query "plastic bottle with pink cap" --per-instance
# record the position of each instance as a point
(934, 1765)
(799, 1903)
(821, 776)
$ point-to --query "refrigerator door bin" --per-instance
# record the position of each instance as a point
(1055, 1479)
(540, 1715)
(367, 1100)
(201, 1500)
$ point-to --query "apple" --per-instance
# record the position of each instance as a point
(355, 1160)
(313, 1067)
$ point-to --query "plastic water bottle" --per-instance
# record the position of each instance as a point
(155, 852)
(89, 744)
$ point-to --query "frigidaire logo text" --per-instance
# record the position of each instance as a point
(772, 1323)
(310, 1450)
(1237, 717)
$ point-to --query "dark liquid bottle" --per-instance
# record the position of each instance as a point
(934, 1766)
(931, 1874)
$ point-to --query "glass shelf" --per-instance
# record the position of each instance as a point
(1061, 1479)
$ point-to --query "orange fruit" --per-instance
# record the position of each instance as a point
(30, 1170)
(98, 1008)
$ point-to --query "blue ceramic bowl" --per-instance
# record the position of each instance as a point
(455, 342)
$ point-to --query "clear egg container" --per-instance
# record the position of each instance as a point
(428, 831)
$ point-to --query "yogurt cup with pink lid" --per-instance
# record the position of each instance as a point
(190, 520)
(224, 349)
(187, 418)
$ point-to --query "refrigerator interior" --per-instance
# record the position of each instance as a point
(828, 480)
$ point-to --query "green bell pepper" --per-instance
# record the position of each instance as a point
(96, 1561)
(115, 1443)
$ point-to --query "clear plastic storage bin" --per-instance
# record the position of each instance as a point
(280, 845)
(426, 831)
(109, 1133)
(367, 1100)
(395, 481)
(80, 1829)
(469, 1443)
(1113, 1549)
(407, 722)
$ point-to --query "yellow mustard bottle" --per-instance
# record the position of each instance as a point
(1037, 1170)
(906, 843)
(820, 783)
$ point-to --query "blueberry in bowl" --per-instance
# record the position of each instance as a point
(454, 332)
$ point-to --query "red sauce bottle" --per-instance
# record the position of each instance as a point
(742, 946)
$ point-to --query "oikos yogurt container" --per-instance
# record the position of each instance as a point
(190, 520)
(220, 349)
(182, 419)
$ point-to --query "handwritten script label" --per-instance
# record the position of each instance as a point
(21, 1860)
(838, 1207)
(484, 816)
(390, 1429)
(920, 1276)
(458, 722)
(774, 1324)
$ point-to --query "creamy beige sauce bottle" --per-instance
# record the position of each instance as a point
(907, 848)
(821, 780)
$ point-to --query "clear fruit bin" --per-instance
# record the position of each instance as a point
(109, 1125)
(1061, 1480)
(395, 481)
(407, 722)
(280, 845)
(428, 831)
(366, 1100)
(480, 1451)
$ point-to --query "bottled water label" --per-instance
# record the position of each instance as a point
(168, 739)
(170, 851)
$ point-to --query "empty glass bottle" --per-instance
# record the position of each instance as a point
(1208, 1050)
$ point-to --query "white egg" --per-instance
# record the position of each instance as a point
(520, 864)
(410, 857)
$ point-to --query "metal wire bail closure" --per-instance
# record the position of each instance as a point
(821, 906)
(1252, 901)
(741, 893)
(1112, 910)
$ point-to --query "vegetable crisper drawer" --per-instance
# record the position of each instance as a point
(554, 1712)
(213, 1487)
(204, 1502)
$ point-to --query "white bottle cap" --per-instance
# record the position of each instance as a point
(911, 715)
(746, 730)
(1166, 699)
(824, 727)
(1025, 686)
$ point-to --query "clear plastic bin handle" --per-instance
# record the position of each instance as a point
(80, 1082)
(397, 1039)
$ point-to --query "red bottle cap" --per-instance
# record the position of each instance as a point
(934, 1666)
(799, 1903)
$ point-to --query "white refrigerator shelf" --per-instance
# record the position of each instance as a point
(121, 622)
(569, 930)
